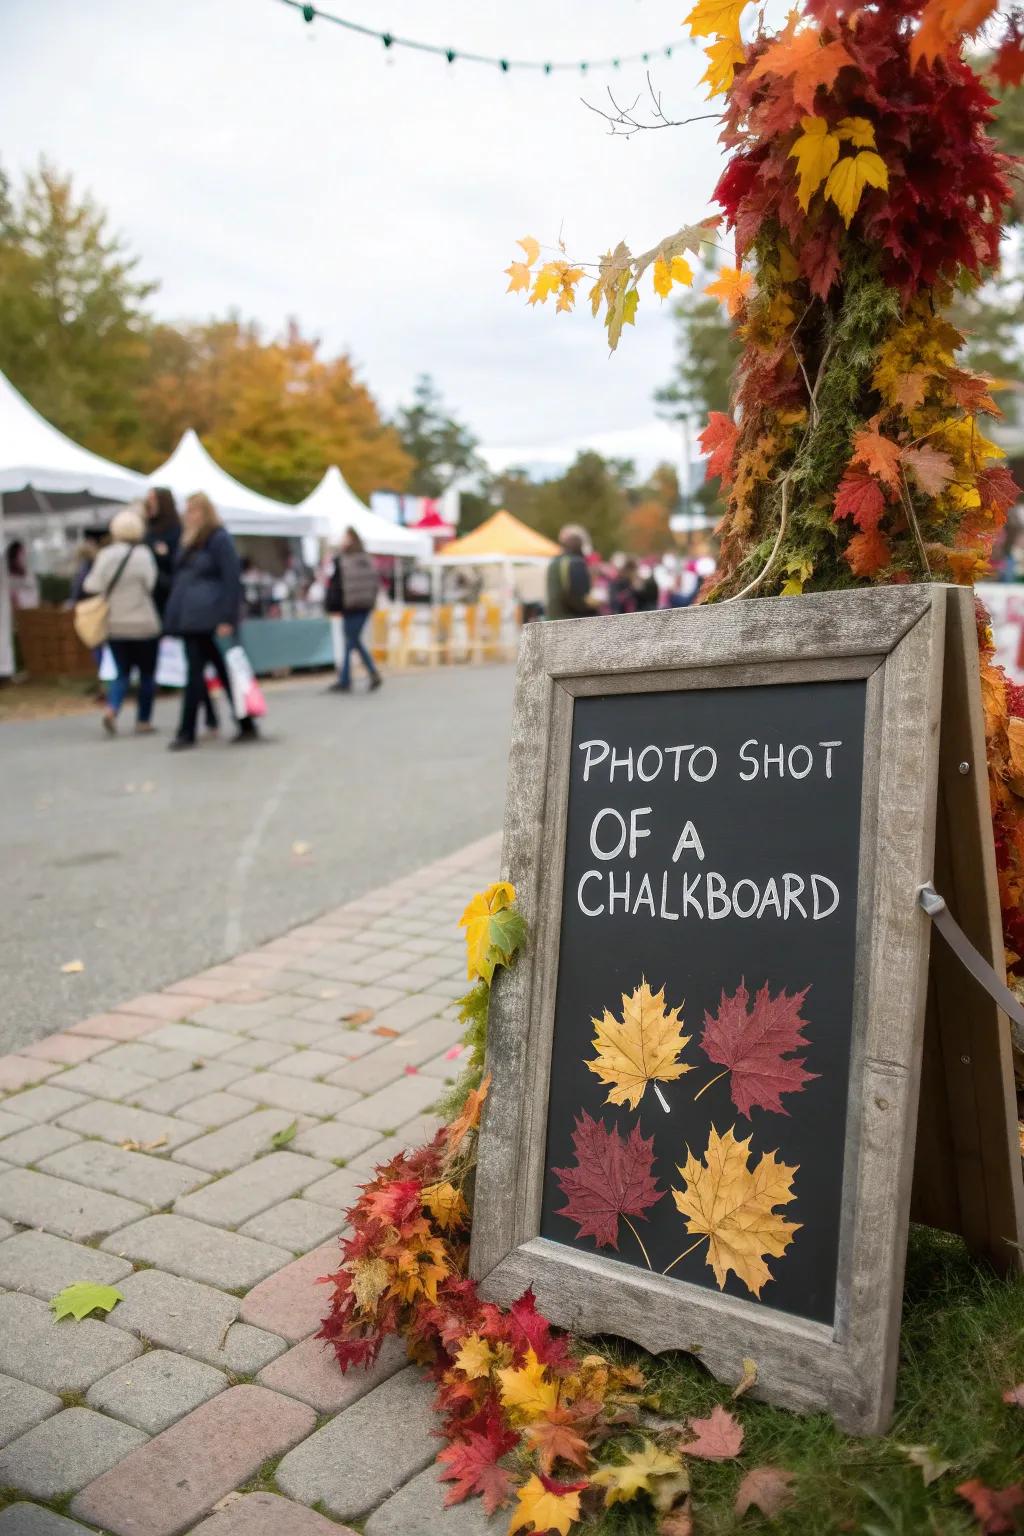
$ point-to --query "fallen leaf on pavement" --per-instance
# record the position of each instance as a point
(747, 1380)
(928, 1459)
(719, 1437)
(993, 1507)
(81, 1298)
(283, 1137)
(641, 1472)
(72, 967)
(411, 1071)
(142, 1146)
(357, 1016)
(300, 850)
(767, 1488)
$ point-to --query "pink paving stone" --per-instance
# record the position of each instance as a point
(165, 1486)
(64, 1048)
(267, 1514)
(18, 1071)
(202, 986)
(248, 995)
(164, 1005)
(310, 1372)
(115, 1026)
(291, 1303)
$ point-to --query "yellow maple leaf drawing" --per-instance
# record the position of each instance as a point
(643, 1047)
(731, 1205)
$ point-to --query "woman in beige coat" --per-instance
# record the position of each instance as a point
(125, 571)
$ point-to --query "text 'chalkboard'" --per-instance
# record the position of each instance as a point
(699, 1077)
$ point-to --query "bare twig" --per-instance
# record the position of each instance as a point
(625, 122)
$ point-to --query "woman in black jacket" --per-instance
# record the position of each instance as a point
(163, 535)
(204, 605)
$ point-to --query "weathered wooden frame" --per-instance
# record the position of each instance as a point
(895, 639)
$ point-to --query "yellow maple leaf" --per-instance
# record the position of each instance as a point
(531, 249)
(475, 1357)
(519, 277)
(722, 55)
(678, 270)
(641, 1472)
(541, 1510)
(857, 131)
(732, 287)
(477, 922)
(797, 572)
(446, 1204)
(848, 178)
(715, 18)
(547, 281)
(642, 1048)
(815, 152)
(731, 1205)
(567, 292)
(370, 1279)
(527, 1390)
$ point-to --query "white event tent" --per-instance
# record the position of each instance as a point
(190, 468)
(335, 507)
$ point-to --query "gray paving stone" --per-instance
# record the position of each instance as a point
(197, 1252)
(102, 1082)
(339, 1190)
(229, 1201)
(215, 1109)
(156, 1390)
(256, 1053)
(333, 1139)
(444, 1067)
(32, 1520)
(37, 1142)
(283, 1092)
(419, 1509)
(64, 1453)
(195, 1040)
(22, 1407)
(296, 1224)
(59, 1357)
(233, 1145)
(193, 1320)
(407, 1012)
(291, 1032)
(39, 1104)
(140, 1056)
(6, 1230)
(41, 1264)
(418, 1131)
(390, 1107)
(364, 1163)
(308, 1064)
(153, 1181)
(11, 1124)
(194, 1084)
(68, 1210)
(267, 1514)
(122, 1122)
(366, 1453)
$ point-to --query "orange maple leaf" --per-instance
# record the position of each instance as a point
(469, 1119)
(944, 23)
(803, 57)
(732, 287)
(555, 1439)
(867, 553)
(878, 454)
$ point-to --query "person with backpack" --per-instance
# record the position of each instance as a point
(124, 573)
(352, 592)
(568, 578)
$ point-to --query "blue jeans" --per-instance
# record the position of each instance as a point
(129, 654)
(353, 625)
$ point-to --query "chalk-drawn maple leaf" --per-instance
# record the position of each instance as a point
(643, 1047)
(613, 1177)
(752, 1042)
(731, 1205)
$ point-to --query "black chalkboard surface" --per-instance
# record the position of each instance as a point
(711, 854)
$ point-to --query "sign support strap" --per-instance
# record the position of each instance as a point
(968, 956)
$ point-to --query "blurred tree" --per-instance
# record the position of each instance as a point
(589, 493)
(273, 412)
(706, 355)
(646, 528)
(73, 322)
(441, 449)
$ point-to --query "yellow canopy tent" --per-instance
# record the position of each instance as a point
(503, 538)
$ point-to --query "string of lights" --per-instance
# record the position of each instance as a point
(311, 13)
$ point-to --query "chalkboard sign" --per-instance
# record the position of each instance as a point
(706, 1065)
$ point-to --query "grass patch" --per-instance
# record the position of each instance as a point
(265, 1480)
(962, 1345)
(73, 1399)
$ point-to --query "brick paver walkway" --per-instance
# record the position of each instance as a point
(136, 1149)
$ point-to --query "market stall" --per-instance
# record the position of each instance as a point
(506, 549)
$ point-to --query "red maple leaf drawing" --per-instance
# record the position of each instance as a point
(751, 1044)
(613, 1177)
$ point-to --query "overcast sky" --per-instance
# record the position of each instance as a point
(258, 163)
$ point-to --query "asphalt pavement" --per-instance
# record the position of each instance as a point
(147, 865)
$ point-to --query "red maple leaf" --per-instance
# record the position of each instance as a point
(972, 391)
(998, 489)
(523, 1327)
(868, 553)
(719, 1437)
(819, 259)
(752, 1045)
(859, 496)
(613, 1177)
(718, 439)
(1008, 65)
(993, 1507)
(472, 1465)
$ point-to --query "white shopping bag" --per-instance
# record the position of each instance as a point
(246, 693)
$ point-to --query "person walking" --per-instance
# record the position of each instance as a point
(568, 578)
(124, 571)
(352, 591)
(163, 535)
(204, 605)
